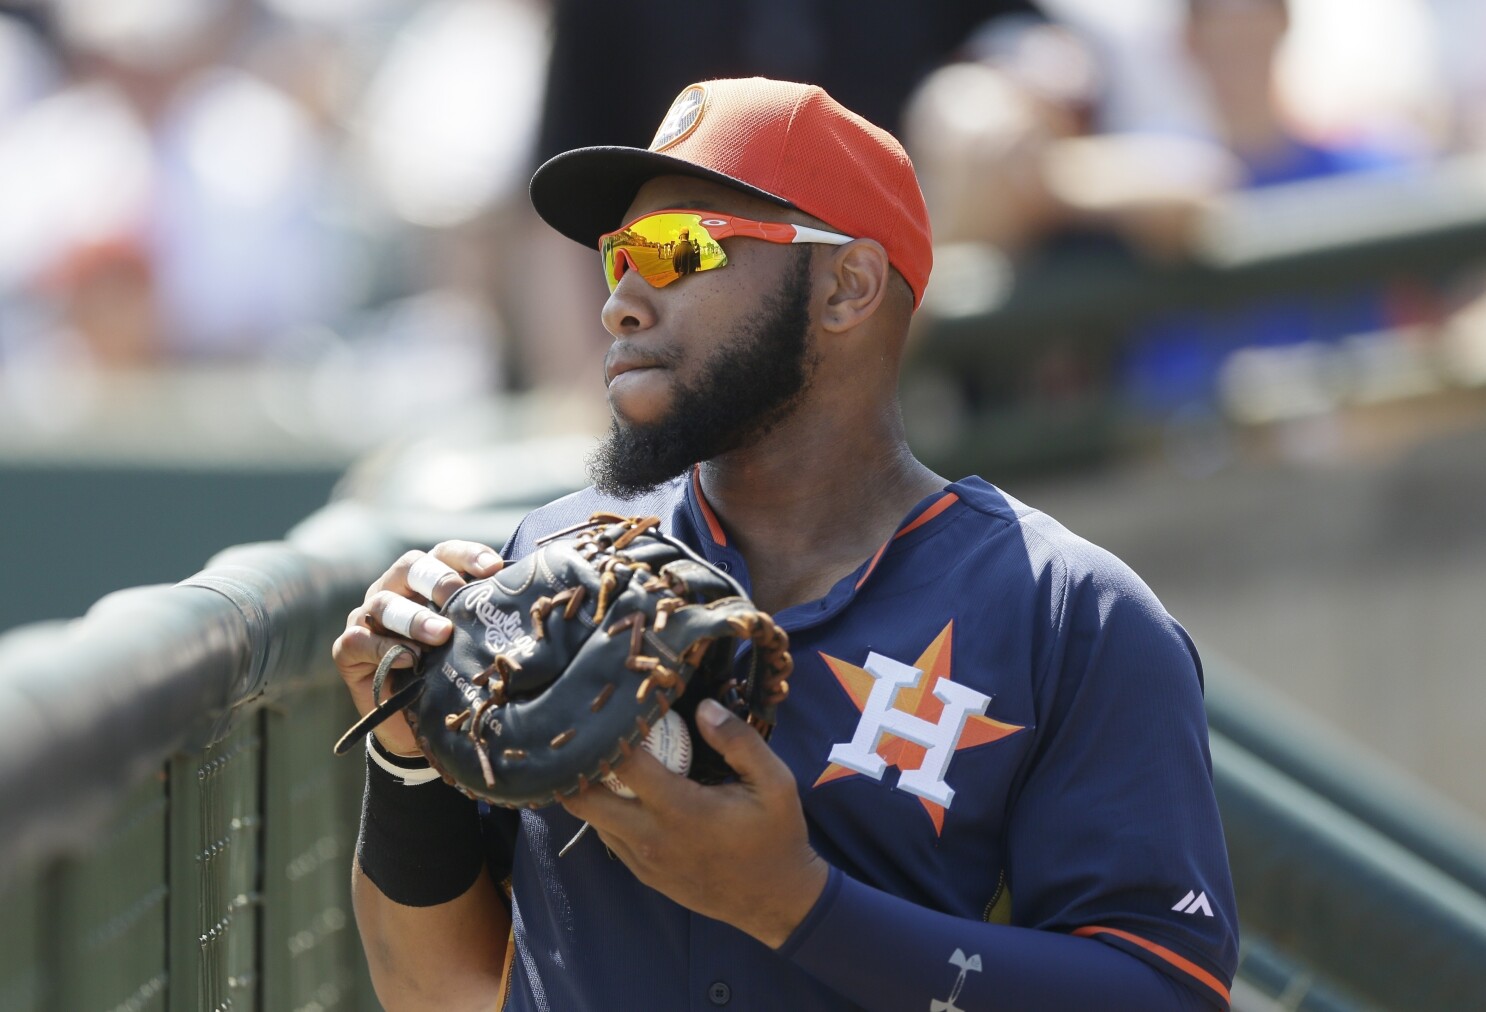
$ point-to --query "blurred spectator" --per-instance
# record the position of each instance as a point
(1234, 45)
(1008, 150)
(443, 137)
(1011, 161)
(995, 177)
(163, 199)
(176, 186)
(224, 180)
(1029, 172)
(1173, 365)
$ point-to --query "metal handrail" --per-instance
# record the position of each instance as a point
(1342, 898)
(92, 707)
(1357, 782)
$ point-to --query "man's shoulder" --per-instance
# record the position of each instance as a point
(1045, 546)
(578, 506)
(1082, 588)
(1042, 536)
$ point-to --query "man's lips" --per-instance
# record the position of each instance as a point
(626, 370)
(620, 362)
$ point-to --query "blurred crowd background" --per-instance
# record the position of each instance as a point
(275, 232)
(339, 185)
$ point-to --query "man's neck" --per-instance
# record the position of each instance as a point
(805, 511)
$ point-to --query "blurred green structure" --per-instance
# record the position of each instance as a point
(176, 835)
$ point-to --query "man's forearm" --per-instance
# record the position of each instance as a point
(886, 953)
(432, 921)
(448, 956)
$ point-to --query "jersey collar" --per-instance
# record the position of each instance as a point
(924, 520)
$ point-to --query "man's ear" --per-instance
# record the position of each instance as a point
(858, 274)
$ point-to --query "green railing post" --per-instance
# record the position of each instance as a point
(312, 958)
(107, 916)
(215, 829)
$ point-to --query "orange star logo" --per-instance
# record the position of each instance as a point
(921, 702)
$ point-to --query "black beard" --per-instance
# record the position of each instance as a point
(747, 386)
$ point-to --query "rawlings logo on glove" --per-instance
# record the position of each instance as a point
(560, 664)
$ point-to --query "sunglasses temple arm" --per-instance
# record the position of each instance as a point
(804, 233)
(778, 231)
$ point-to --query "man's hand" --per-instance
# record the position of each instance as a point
(396, 611)
(736, 852)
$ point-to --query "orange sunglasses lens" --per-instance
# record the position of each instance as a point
(662, 247)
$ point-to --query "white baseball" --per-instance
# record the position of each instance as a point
(668, 741)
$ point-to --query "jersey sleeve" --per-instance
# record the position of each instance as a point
(886, 953)
(1120, 893)
(1114, 834)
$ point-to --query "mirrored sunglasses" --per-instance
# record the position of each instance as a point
(665, 245)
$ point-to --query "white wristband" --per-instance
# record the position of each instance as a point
(408, 777)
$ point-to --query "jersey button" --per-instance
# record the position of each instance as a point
(720, 993)
(722, 564)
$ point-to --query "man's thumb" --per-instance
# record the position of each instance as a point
(739, 744)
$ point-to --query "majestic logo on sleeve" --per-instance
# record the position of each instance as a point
(914, 717)
(1194, 903)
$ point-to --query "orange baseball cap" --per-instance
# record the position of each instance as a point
(788, 143)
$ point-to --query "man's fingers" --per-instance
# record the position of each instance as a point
(743, 748)
(436, 580)
(403, 617)
(468, 557)
(361, 646)
(606, 811)
(433, 578)
(620, 849)
(648, 777)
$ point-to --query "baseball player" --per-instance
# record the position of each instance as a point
(990, 786)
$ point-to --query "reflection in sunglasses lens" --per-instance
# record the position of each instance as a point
(663, 248)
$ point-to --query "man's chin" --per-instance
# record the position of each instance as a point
(639, 397)
(634, 459)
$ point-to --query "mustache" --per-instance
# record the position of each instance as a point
(636, 352)
(632, 355)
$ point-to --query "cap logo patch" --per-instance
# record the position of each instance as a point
(682, 119)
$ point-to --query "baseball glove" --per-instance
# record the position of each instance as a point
(560, 663)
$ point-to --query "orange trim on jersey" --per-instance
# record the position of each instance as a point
(1185, 965)
(873, 564)
(929, 514)
(713, 525)
(944, 503)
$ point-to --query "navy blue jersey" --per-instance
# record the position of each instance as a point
(994, 726)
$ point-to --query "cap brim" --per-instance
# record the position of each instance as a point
(585, 192)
